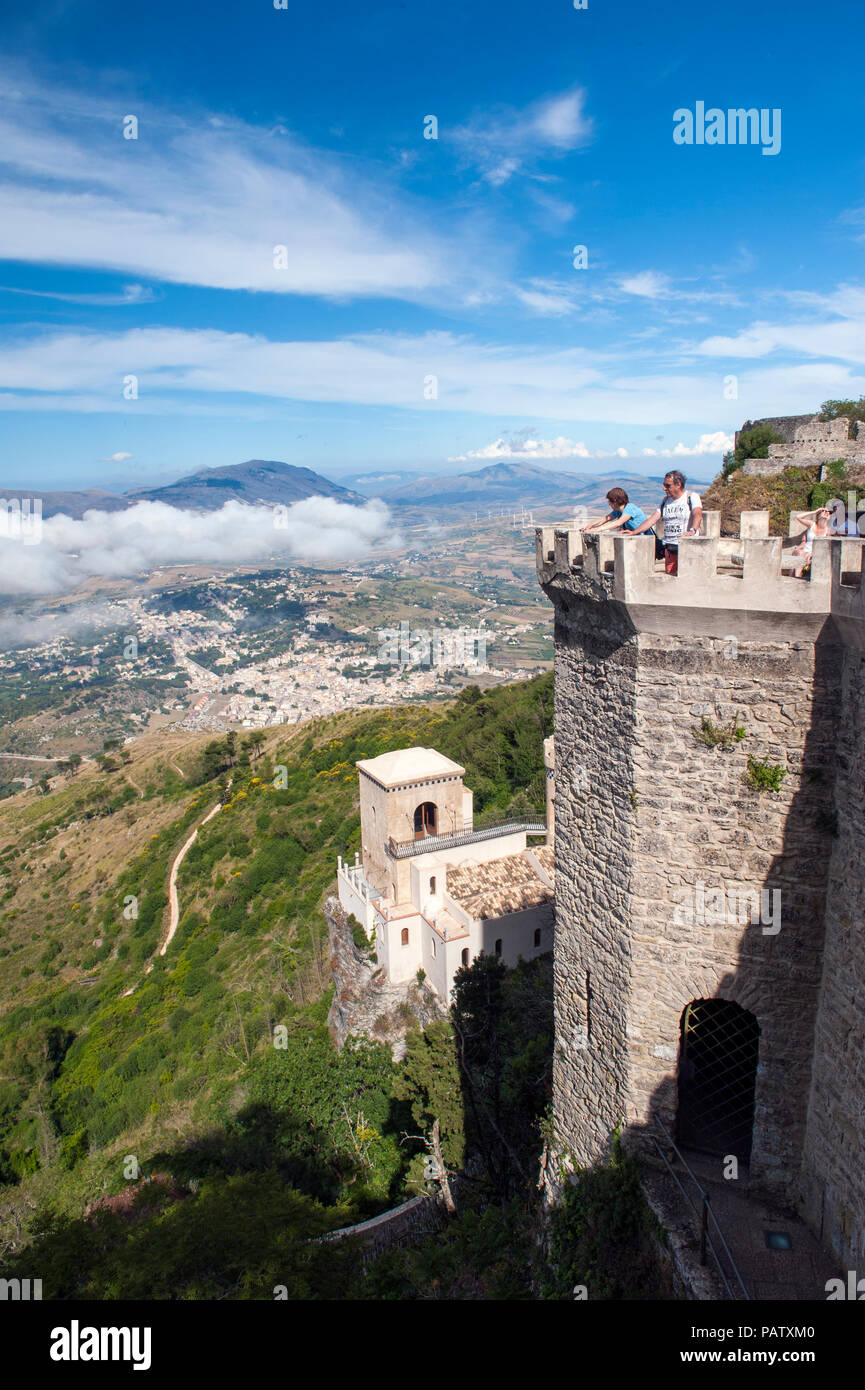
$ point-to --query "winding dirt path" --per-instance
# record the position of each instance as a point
(173, 903)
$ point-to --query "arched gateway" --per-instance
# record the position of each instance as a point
(717, 1076)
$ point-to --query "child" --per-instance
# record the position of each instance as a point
(625, 516)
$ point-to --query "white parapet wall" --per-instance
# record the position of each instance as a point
(355, 894)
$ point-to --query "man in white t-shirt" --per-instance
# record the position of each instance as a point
(682, 515)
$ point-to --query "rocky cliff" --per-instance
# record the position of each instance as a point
(365, 1002)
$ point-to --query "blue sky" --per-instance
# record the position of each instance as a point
(410, 258)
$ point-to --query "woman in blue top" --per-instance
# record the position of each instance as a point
(625, 516)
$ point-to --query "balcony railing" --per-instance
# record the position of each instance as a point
(404, 849)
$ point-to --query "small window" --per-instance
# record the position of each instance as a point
(432, 885)
(465, 956)
(499, 947)
(537, 936)
(433, 944)
(405, 936)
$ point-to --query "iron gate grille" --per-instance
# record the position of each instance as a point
(717, 1076)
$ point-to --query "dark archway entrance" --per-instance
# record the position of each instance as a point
(717, 1075)
(425, 820)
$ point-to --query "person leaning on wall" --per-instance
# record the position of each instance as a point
(681, 514)
(624, 516)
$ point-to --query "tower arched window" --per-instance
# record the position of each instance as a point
(499, 947)
(404, 936)
(465, 956)
(425, 820)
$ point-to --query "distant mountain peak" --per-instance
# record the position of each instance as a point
(257, 482)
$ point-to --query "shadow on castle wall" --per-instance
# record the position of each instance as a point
(777, 980)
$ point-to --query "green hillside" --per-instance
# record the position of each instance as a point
(117, 1063)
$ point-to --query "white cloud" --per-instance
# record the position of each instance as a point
(655, 285)
(211, 372)
(130, 294)
(505, 143)
(648, 284)
(716, 443)
(552, 298)
(520, 446)
(31, 629)
(201, 202)
(151, 534)
(118, 458)
(561, 121)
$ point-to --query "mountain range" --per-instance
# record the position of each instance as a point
(270, 483)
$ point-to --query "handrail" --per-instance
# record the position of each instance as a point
(403, 849)
(705, 1212)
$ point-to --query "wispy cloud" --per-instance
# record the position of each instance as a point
(203, 203)
(188, 372)
(835, 329)
(648, 284)
(504, 143)
(655, 285)
(550, 298)
(130, 294)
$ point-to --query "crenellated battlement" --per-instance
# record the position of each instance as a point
(752, 573)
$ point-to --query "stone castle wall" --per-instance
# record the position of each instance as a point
(644, 814)
(785, 425)
(408, 1224)
(807, 440)
(595, 715)
(834, 1176)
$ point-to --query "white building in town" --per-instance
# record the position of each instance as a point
(432, 892)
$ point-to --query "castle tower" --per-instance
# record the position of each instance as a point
(408, 795)
(710, 899)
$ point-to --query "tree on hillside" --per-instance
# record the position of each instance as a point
(254, 743)
(477, 1013)
(752, 444)
(430, 1082)
(854, 410)
(503, 1020)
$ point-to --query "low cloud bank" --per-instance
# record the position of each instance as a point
(61, 552)
(31, 628)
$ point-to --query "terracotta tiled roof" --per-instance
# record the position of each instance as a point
(512, 884)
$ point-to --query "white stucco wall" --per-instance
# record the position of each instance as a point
(401, 962)
(354, 902)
